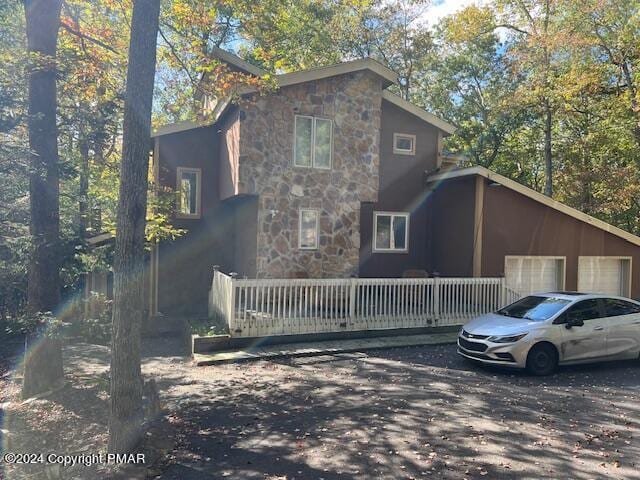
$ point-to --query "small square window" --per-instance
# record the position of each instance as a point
(404, 144)
(308, 231)
(390, 232)
(188, 190)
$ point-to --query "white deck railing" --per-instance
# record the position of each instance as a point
(256, 308)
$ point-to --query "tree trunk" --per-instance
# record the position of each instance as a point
(548, 159)
(635, 107)
(83, 202)
(126, 379)
(43, 20)
(43, 361)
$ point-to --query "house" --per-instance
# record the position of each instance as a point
(331, 175)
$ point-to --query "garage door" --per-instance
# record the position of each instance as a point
(608, 275)
(529, 274)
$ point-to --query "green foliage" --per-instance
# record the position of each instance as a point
(96, 326)
(37, 324)
(491, 70)
(205, 327)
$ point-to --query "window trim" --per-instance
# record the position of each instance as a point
(317, 228)
(313, 142)
(407, 217)
(179, 172)
(402, 151)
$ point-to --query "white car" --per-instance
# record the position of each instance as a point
(542, 331)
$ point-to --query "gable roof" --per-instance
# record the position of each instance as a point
(537, 196)
(312, 74)
(388, 76)
(178, 127)
(419, 112)
(238, 62)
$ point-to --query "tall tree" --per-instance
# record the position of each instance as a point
(607, 32)
(42, 23)
(465, 82)
(537, 36)
(126, 378)
(43, 362)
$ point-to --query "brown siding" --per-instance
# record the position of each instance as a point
(517, 225)
(185, 264)
(402, 176)
(451, 227)
(245, 234)
(401, 190)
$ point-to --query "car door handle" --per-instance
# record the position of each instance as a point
(598, 328)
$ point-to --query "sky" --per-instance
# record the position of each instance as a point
(442, 8)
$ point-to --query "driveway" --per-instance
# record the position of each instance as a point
(405, 413)
(419, 412)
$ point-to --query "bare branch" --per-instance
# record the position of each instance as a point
(84, 36)
(177, 57)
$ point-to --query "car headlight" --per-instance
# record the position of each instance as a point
(507, 339)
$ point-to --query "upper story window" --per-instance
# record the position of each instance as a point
(312, 145)
(404, 144)
(188, 188)
(390, 232)
(308, 231)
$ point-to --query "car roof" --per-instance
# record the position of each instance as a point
(576, 296)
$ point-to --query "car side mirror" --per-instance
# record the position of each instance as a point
(573, 322)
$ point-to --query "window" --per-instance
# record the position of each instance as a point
(308, 238)
(534, 308)
(188, 188)
(404, 144)
(312, 146)
(390, 232)
(615, 308)
(584, 310)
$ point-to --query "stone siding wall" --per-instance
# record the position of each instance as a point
(353, 102)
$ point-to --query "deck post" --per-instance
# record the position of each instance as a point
(212, 293)
(436, 297)
(231, 312)
(353, 283)
(503, 291)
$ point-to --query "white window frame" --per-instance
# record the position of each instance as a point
(626, 281)
(179, 173)
(402, 151)
(317, 227)
(313, 142)
(406, 216)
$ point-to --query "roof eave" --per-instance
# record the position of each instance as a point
(238, 62)
(428, 117)
(537, 196)
(388, 76)
(218, 112)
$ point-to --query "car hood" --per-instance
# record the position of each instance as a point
(494, 324)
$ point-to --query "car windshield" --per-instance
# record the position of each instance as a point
(534, 308)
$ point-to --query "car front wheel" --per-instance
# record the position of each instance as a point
(542, 359)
